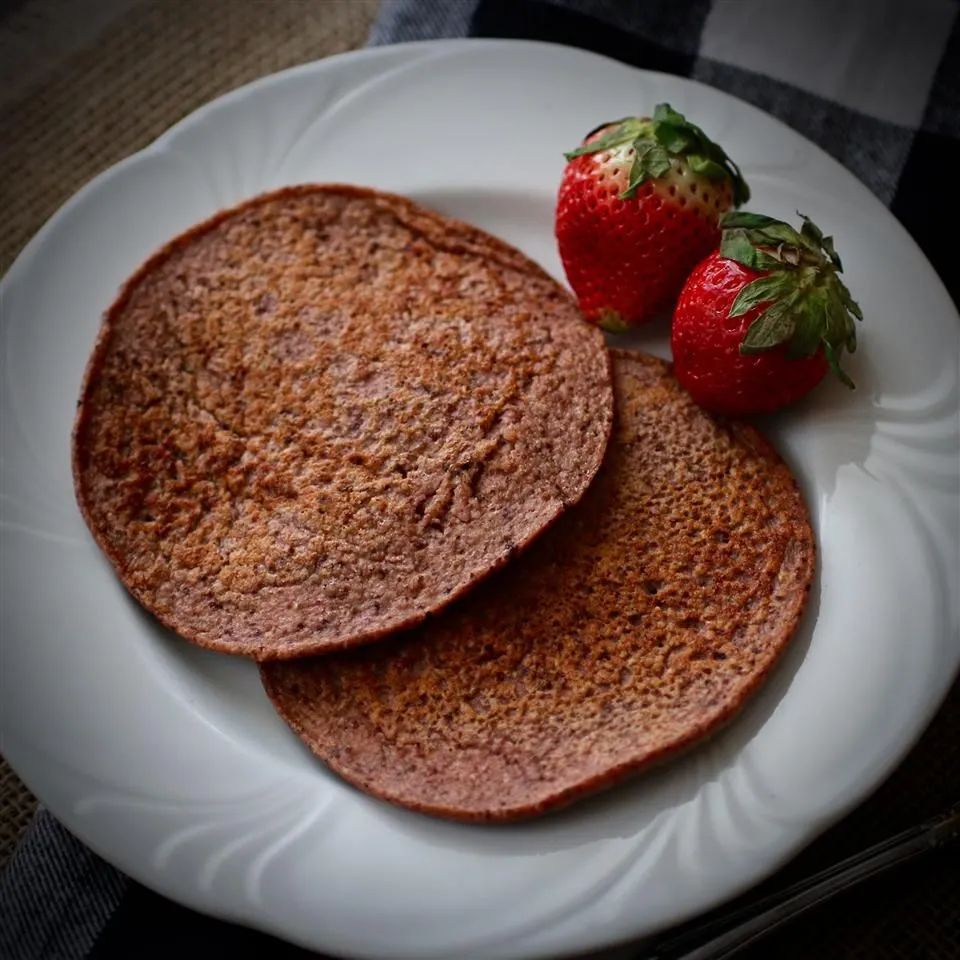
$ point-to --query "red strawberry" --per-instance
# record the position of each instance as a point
(639, 206)
(760, 321)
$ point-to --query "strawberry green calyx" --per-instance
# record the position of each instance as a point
(807, 305)
(658, 141)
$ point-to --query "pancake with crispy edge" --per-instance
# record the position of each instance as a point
(325, 413)
(635, 627)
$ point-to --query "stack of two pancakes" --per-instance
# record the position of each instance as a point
(313, 424)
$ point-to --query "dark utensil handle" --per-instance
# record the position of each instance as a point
(722, 938)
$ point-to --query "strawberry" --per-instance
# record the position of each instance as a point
(638, 208)
(760, 321)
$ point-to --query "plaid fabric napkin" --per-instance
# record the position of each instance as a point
(875, 83)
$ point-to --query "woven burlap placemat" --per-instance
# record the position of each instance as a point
(99, 79)
(84, 83)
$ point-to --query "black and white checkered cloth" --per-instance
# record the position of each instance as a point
(875, 83)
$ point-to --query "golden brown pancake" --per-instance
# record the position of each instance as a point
(324, 414)
(636, 626)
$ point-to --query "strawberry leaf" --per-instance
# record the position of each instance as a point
(650, 161)
(850, 303)
(832, 253)
(837, 325)
(745, 219)
(810, 229)
(706, 167)
(608, 123)
(622, 131)
(810, 322)
(674, 131)
(779, 232)
(809, 307)
(833, 359)
(771, 328)
(759, 291)
(816, 239)
(735, 245)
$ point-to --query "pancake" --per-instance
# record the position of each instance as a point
(324, 414)
(638, 625)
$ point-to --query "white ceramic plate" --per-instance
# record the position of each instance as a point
(170, 762)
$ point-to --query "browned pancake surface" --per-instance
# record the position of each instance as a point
(634, 627)
(327, 412)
